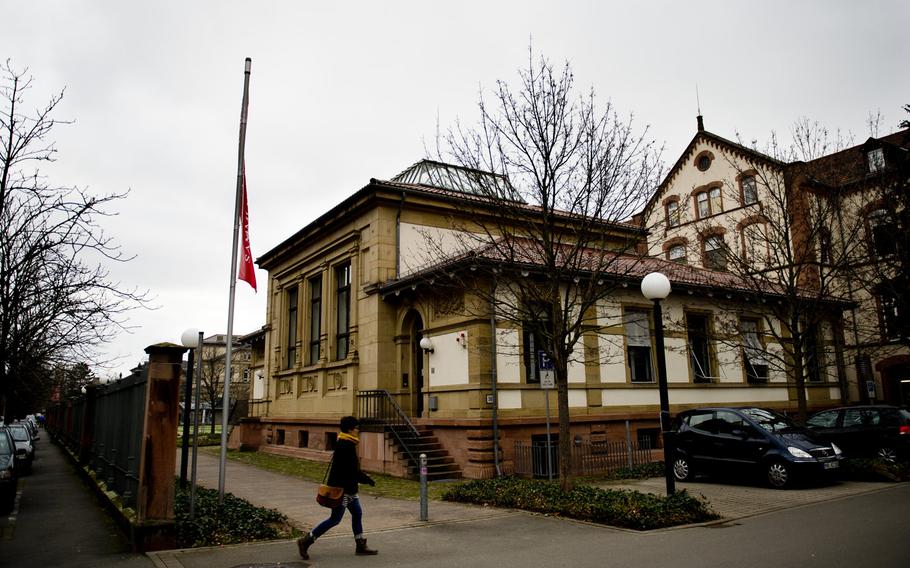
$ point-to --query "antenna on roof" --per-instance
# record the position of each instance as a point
(701, 122)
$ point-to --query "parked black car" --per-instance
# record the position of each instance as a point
(9, 476)
(865, 431)
(747, 441)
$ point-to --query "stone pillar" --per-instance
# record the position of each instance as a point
(159, 439)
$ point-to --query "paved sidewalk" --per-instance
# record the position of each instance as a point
(394, 527)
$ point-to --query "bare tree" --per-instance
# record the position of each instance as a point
(555, 180)
(57, 301)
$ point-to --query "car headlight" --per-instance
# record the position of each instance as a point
(798, 453)
(837, 451)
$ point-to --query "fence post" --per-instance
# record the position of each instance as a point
(629, 444)
(158, 455)
(87, 435)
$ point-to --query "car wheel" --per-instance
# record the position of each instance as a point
(778, 473)
(887, 454)
(682, 469)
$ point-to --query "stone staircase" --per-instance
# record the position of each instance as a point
(410, 443)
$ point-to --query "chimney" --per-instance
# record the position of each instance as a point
(701, 123)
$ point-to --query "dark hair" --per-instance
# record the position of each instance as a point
(348, 423)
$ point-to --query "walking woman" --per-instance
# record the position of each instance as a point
(344, 472)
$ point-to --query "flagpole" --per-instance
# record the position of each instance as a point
(225, 404)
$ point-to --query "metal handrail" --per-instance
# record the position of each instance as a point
(378, 407)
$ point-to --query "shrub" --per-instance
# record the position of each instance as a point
(236, 520)
(875, 470)
(621, 508)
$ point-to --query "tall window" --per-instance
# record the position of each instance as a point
(755, 242)
(875, 159)
(343, 310)
(699, 349)
(291, 359)
(895, 313)
(534, 344)
(715, 257)
(315, 318)
(883, 232)
(812, 354)
(755, 360)
(638, 345)
(750, 190)
(704, 208)
(673, 214)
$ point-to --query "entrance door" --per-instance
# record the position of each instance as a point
(417, 357)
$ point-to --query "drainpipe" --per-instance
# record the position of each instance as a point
(494, 379)
(398, 237)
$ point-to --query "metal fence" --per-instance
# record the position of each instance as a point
(588, 458)
(104, 428)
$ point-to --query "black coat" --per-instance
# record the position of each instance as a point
(345, 471)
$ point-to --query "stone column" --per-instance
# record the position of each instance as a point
(159, 440)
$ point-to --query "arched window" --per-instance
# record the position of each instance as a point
(750, 190)
(754, 242)
(677, 253)
(883, 232)
(715, 256)
(673, 214)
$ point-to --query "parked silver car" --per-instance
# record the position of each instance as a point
(25, 451)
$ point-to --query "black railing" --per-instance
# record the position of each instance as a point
(588, 458)
(378, 411)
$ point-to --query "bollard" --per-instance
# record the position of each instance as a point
(423, 488)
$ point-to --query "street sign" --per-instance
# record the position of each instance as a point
(547, 372)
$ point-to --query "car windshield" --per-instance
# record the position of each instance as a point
(20, 434)
(770, 421)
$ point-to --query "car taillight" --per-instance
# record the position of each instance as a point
(905, 429)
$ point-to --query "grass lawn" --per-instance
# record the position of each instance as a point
(386, 486)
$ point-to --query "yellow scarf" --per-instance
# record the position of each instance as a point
(348, 437)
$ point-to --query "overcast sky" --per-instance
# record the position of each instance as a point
(342, 92)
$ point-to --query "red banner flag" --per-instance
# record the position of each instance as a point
(247, 271)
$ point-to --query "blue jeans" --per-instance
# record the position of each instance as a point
(352, 504)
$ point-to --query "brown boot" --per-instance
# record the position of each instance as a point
(303, 544)
(362, 549)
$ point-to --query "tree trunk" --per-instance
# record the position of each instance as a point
(566, 479)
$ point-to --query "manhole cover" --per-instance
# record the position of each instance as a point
(275, 565)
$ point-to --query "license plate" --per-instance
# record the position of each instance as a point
(832, 465)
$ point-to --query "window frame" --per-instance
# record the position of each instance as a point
(677, 247)
(672, 211)
(314, 351)
(721, 261)
(701, 373)
(292, 300)
(749, 184)
(639, 358)
(343, 279)
(875, 160)
(882, 228)
(757, 371)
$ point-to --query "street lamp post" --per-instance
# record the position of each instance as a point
(187, 403)
(192, 338)
(656, 287)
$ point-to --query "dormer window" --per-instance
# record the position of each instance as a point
(875, 159)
